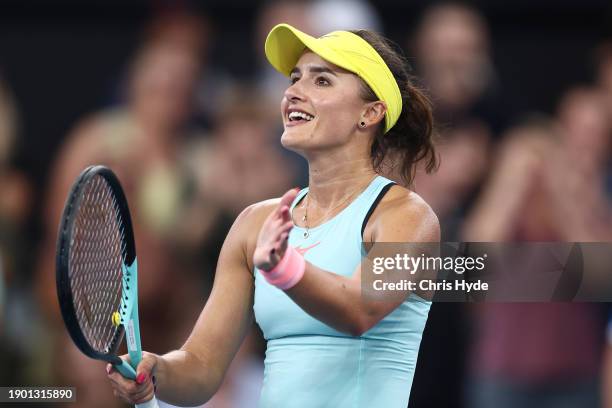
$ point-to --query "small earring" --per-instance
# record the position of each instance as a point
(362, 124)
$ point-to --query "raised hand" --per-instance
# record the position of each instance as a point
(272, 239)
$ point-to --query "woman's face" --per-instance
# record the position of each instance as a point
(322, 106)
(163, 82)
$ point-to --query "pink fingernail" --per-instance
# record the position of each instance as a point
(109, 368)
(141, 378)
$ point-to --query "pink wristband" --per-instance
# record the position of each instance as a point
(288, 272)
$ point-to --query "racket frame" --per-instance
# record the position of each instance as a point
(129, 285)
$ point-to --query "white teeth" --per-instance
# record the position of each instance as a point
(295, 115)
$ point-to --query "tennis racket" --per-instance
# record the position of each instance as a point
(96, 271)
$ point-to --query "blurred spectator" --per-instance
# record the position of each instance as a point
(464, 159)
(143, 142)
(519, 164)
(583, 172)
(549, 354)
(452, 53)
(15, 194)
(554, 171)
(15, 207)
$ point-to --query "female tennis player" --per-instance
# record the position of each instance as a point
(294, 263)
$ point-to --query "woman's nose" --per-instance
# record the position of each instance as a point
(295, 92)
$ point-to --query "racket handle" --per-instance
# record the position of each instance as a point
(152, 403)
(126, 370)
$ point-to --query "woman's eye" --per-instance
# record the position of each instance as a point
(322, 81)
(294, 80)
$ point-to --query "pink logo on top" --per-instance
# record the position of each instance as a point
(302, 251)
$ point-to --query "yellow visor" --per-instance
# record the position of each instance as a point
(285, 44)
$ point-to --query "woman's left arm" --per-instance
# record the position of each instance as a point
(337, 300)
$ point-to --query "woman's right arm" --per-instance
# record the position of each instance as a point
(191, 375)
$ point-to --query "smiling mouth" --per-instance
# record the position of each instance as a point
(298, 117)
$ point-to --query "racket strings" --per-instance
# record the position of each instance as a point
(96, 257)
(121, 230)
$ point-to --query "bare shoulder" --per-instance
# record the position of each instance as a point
(402, 215)
(400, 201)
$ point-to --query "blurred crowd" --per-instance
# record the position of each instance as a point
(193, 146)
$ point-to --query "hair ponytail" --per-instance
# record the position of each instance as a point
(410, 140)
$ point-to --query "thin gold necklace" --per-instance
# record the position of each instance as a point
(329, 211)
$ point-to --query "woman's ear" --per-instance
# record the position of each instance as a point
(373, 114)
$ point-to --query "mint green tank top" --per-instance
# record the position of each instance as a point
(309, 364)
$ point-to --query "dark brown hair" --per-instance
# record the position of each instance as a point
(411, 139)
